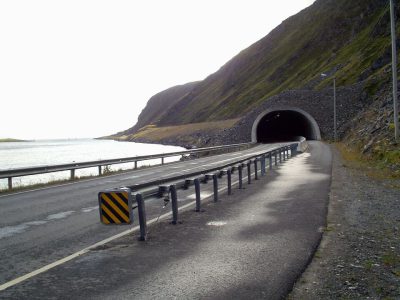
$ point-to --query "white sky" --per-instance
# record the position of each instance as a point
(86, 68)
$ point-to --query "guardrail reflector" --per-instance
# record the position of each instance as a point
(115, 207)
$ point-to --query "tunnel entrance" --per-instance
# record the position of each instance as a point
(280, 125)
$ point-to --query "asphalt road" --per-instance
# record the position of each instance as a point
(41, 226)
(253, 244)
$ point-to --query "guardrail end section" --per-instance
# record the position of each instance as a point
(115, 207)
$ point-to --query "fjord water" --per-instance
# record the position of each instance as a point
(51, 152)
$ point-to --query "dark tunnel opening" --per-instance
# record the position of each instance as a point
(285, 125)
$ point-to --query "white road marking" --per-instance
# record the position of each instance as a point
(8, 231)
(216, 223)
(11, 230)
(83, 251)
(157, 167)
(60, 215)
(87, 249)
(218, 162)
(81, 181)
(89, 209)
(203, 195)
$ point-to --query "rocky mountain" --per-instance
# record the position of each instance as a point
(346, 39)
(159, 105)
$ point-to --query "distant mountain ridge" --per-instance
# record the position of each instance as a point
(346, 39)
(159, 105)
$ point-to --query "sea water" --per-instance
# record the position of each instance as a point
(53, 152)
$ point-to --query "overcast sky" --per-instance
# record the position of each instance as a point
(72, 69)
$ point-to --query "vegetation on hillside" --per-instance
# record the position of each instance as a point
(369, 141)
(347, 39)
(158, 106)
(9, 140)
(152, 133)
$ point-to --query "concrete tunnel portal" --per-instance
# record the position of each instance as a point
(284, 124)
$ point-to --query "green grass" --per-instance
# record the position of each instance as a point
(391, 259)
(368, 264)
(377, 164)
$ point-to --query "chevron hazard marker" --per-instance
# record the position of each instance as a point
(115, 207)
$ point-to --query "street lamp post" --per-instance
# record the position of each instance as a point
(334, 107)
(334, 110)
(394, 73)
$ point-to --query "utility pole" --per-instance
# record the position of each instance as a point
(334, 110)
(394, 72)
(334, 107)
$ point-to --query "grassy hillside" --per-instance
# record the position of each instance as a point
(158, 106)
(186, 133)
(348, 39)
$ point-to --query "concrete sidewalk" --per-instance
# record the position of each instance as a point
(253, 244)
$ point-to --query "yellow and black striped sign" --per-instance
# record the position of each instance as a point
(116, 207)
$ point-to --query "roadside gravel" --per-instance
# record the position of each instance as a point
(359, 255)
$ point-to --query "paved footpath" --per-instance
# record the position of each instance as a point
(253, 244)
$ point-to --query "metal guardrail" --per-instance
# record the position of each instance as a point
(11, 173)
(169, 185)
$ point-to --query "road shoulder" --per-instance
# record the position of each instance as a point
(359, 255)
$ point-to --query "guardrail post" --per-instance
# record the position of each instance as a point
(162, 160)
(276, 157)
(135, 164)
(215, 185)
(229, 173)
(10, 183)
(197, 191)
(263, 171)
(142, 217)
(72, 174)
(293, 150)
(249, 172)
(256, 168)
(284, 153)
(240, 169)
(99, 170)
(270, 160)
(174, 203)
(280, 155)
